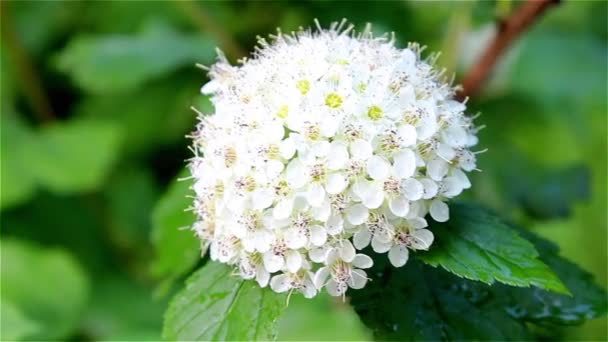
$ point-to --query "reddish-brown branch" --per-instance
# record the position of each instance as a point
(508, 30)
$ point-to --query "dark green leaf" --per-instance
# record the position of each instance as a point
(47, 285)
(552, 193)
(419, 302)
(477, 245)
(177, 249)
(15, 325)
(109, 64)
(215, 305)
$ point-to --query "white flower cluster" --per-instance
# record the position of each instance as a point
(322, 144)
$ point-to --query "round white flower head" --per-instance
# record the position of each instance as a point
(322, 144)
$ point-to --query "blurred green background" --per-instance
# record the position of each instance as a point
(95, 99)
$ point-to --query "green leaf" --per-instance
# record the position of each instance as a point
(18, 179)
(15, 325)
(64, 157)
(123, 310)
(477, 245)
(157, 114)
(177, 249)
(215, 305)
(588, 300)
(551, 193)
(47, 285)
(114, 63)
(419, 302)
(75, 156)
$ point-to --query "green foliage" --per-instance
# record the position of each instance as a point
(476, 245)
(121, 78)
(117, 63)
(66, 157)
(418, 302)
(122, 310)
(316, 319)
(177, 249)
(15, 325)
(215, 305)
(46, 285)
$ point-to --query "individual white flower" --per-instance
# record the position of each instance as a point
(344, 270)
(409, 235)
(301, 281)
(320, 140)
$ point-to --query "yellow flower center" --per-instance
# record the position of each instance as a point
(303, 86)
(375, 112)
(283, 112)
(333, 100)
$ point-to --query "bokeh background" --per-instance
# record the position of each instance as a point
(94, 110)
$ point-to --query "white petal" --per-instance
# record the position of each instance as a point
(263, 239)
(430, 188)
(399, 206)
(320, 148)
(361, 149)
(262, 276)
(318, 235)
(318, 255)
(336, 183)
(439, 211)
(362, 261)
(455, 135)
(380, 247)
(273, 262)
(280, 283)
(462, 177)
(357, 214)
(321, 277)
(287, 148)
(374, 198)
(377, 168)
(362, 238)
(407, 134)
(398, 255)
(423, 239)
(446, 152)
(405, 163)
(436, 169)
(293, 261)
(451, 187)
(295, 239)
(337, 157)
(274, 168)
(315, 195)
(335, 289)
(295, 174)
(262, 198)
(309, 290)
(347, 251)
(412, 189)
(283, 209)
(322, 212)
(417, 223)
(334, 224)
(358, 279)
